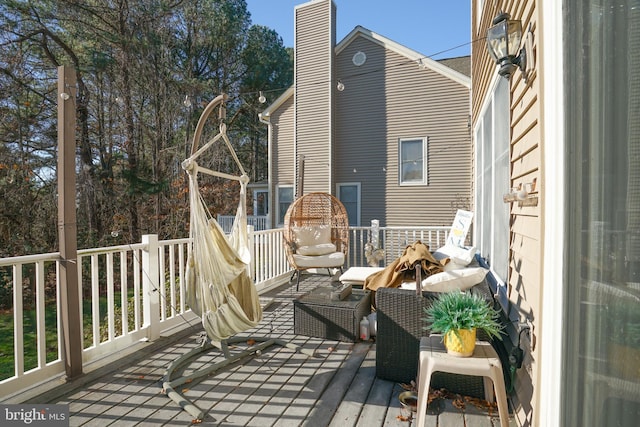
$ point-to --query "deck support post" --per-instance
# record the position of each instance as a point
(69, 290)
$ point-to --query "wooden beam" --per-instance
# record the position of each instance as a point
(69, 292)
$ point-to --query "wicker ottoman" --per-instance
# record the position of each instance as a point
(316, 315)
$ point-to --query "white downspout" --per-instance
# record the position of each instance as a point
(266, 119)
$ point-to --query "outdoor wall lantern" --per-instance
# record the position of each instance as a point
(503, 43)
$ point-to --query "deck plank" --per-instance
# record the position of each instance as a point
(376, 407)
(269, 386)
(451, 416)
(338, 391)
(397, 415)
(279, 387)
(353, 403)
(477, 417)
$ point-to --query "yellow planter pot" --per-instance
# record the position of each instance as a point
(460, 343)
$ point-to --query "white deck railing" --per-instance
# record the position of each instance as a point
(136, 292)
(258, 222)
(393, 240)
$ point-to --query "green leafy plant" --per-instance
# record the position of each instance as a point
(453, 311)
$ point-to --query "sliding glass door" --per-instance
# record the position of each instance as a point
(602, 289)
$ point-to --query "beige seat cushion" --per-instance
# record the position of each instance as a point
(335, 259)
(357, 275)
(316, 250)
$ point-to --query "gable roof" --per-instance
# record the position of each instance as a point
(420, 59)
(461, 64)
(453, 68)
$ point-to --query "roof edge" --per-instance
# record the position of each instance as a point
(420, 59)
(266, 114)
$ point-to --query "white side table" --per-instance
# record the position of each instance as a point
(484, 362)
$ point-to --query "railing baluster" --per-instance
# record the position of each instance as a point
(95, 300)
(270, 242)
(110, 297)
(18, 322)
(162, 276)
(60, 338)
(172, 279)
(124, 293)
(136, 289)
(41, 299)
(256, 266)
(181, 256)
(80, 295)
(263, 247)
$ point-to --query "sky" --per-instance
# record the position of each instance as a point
(435, 28)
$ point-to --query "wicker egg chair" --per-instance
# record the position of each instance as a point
(316, 234)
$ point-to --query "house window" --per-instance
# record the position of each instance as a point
(602, 214)
(260, 202)
(349, 195)
(413, 161)
(492, 180)
(285, 198)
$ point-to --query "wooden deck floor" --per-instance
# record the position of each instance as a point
(279, 387)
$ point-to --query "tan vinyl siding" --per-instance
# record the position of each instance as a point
(525, 271)
(388, 98)
(525, 255)
(315, 38)
(282, 156)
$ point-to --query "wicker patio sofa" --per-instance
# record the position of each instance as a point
(401, 324)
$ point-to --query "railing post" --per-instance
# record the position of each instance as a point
(151, 286)
(251, 237)
(375, 233)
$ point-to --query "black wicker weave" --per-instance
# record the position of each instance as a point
(400, 325)
(316, 315)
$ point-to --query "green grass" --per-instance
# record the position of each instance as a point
(7, 360)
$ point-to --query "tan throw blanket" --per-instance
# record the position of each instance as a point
(403, 268)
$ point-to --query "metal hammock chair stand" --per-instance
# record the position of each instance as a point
(316, 234)
(219, 287)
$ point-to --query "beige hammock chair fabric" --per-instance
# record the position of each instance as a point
(219, 287)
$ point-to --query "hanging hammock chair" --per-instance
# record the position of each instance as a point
(219, 287)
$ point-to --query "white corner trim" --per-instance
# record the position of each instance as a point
(552, 317)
